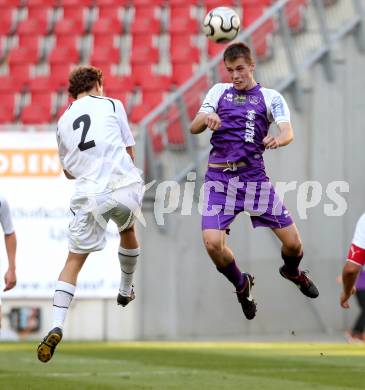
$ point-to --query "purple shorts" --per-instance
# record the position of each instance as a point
(248, 190)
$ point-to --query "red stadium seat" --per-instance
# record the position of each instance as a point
(142, 40)
(104, 40)
(146, 12)
(77, 13)
(181, 21)
(294, 12)
(83, 3)
(104, 55)
(106, 32)
(69, 27)
(181, 72)
(251, 12)
(7, 25)
(177, 3)
(29, 42)
(145, 26)
(182, 45)
(10, 3)
(10, 84)
(23, 56)
(111, 10)
(146, 3)
(35, 115)
(104, 58)
(39, 110)
(142, 54)
(118, 87)
(184, 54)
(7, 107)
(62, 55)
(118, 94)
(175, 131)
(20, 72)
(74, 11)
(109, 26)
(180, 40)
(41, 3)
(152, 98)
(60, 73)
(183, 24)
(138, 112)
(181, 10)
(262, 44)
(39, 12)
(155, 83)
(67, 41)
(123, 83)
(33, 27)
(261, 38)
(140, 72)
(42, 84)
(145, 21)
(111, 3)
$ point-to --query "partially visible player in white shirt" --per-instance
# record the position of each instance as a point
(10, 245)
(354, 264)
(96, 150)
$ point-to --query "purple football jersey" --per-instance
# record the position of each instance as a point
(245, 119)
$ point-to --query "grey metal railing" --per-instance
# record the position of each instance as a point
(166, 150)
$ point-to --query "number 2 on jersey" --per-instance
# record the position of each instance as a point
(85, 120)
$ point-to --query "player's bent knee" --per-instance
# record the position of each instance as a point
(213, 247)
(294, 247)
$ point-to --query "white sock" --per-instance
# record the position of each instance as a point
(128, 261)
(61, 302)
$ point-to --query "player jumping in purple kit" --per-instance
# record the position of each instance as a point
(239, 115)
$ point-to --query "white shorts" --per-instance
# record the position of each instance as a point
(93, 212)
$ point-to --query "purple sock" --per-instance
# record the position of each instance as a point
(233, 274)
(292, 264)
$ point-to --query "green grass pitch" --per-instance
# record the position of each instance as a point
(166, 365)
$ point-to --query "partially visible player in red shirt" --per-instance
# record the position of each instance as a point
(354, 264)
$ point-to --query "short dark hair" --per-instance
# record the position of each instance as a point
(83, 79)
(236, 50)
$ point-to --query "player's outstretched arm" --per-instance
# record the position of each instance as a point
(198, 124)
(10, 275)
(204, 120)
(350, 273)
(285, 136)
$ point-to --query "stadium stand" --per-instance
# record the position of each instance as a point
(146, 48)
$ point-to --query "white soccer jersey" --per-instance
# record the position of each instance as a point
(92, 137)
(5, 217)
(277, 109)
(359, 235)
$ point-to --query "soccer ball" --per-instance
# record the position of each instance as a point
(221, 24)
